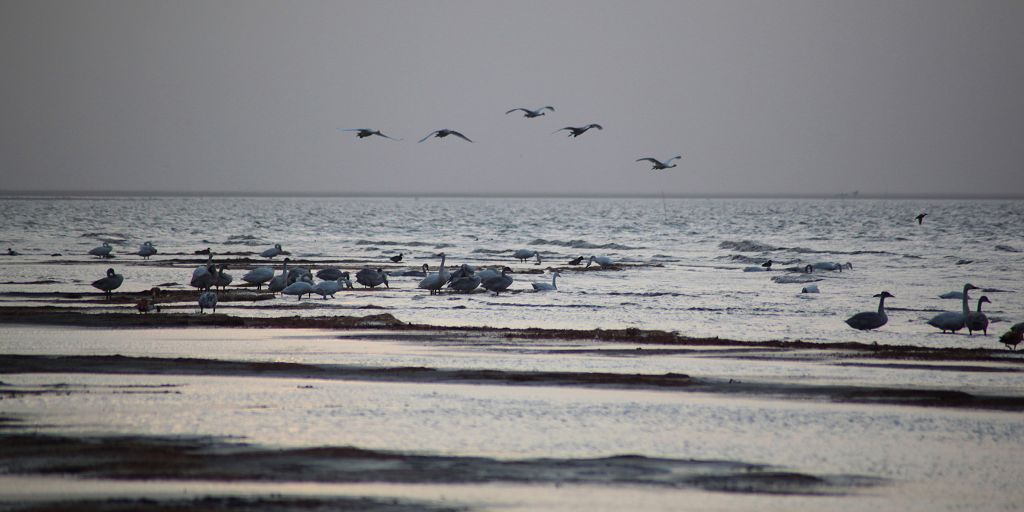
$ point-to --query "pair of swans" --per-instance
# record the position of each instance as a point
(953, 321)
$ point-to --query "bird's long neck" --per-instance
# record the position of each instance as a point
(442, 264)
(881, 305)
(980, 302)
(553, 285)
(284, 269)
(967, 308)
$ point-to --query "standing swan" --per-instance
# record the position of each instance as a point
(102, 251)
(434, 282)
(602, 261)
(976, 320)
(146, 250)
(372, 278)
(207, 300)
(111, 282)
(273, 251)
(497, 284)
(950, 320)
(544, 287)
(279, 283)
(869, 319)
(258, 276)
(524, 254)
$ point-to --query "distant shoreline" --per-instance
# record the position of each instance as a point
(93, 194)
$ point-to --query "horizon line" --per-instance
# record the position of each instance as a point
(524, 195)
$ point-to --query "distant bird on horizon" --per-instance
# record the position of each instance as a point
(920, 217)
(363, 133)
(657, 165)
(575, 131)
(444, 133)
(396, 259)
(532, 113)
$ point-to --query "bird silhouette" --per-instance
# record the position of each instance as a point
(576, 131)
(657, 165)
(444, 133)
(532, 113)
(363, 133)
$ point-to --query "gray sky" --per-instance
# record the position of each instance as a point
(775, 97)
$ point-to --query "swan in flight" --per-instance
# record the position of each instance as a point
(576, 131)
(498, 283)
(444, 133)
(602, 261)
(869, 319)
(107, 284)
(279, 282)
(146, 250)
(532, 113)
(372, 278)
(396, 259)
(920, 217)
(272, 252)
(657, 165)
(544, 287)
(950, 320)
(524, 254)
(435, 281)
(103, 251)
(363, 133)
(207, 300)
(976, 320)
(258, 276)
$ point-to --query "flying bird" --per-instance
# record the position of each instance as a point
(363, 133)
(577, 131)
(657, 165)
(444, 133)
(920, 217)
(532, 113)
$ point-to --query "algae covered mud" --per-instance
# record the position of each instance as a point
(671, 380)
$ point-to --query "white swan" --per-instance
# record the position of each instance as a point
(203, 275)
(871, 319)
(497, 284)
(492, 272)
(576, 131)
(602, 261)
(272, 252)
(304, 286)
(258, 276)
(831, 265)
(207, 300)
(765, 267)
(328, 287)
(363, 133)
(444, 133)
(103, 251)
(950, 320)
(524, 254)
(657, 165)
(222, 279)
(465, 284)
(108, 284)
(976, 320)
(435, 281)
(544, 287)
(812, 288)
(146, 250)
(278, 283)
(532, 113)
(372, 278)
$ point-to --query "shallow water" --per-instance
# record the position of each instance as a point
(685, 257)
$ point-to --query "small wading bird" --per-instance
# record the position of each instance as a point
(657, 165)
(575, 131)
(870, 319)
(920, 217)
(444, 133)
(532, 113)
(107, 284)
(363, 133)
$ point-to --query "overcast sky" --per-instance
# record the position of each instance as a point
(774, 97)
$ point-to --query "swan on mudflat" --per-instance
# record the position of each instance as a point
(207, 300)
(103, 251)
(524, 254)
(950, 320)
(434, 282)
(831, 265)
(146, 250)
(107, 284)
(544, 286)
(602, 261)
(765, 267)
(203, 275)
(810, 289)
(304, 286)
(657, 165)
(222, 279)
(423, 271)
(258, 276)
(279, 282)
(329, 274)
(497, 284)
(372, 278)
(870, 319)
(576, 131)
(532, 113)
(272, 252)
(444, 133)
(465, 284)
(976, 320)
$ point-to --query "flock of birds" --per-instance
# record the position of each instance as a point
(573, 131)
